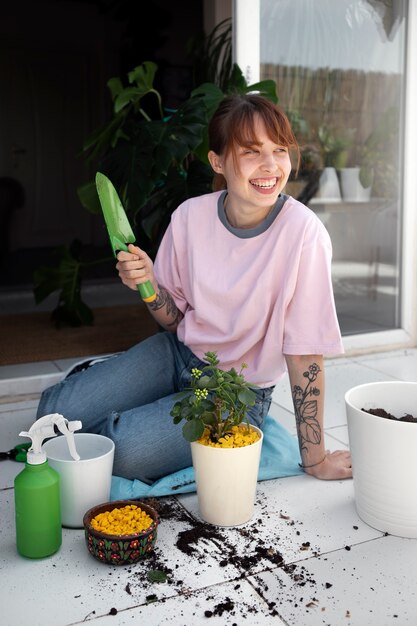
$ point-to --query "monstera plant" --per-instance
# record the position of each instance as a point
(155, 159)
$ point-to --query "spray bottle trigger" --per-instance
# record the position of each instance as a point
(67, 428)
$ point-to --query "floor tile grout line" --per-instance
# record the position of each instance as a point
(241, 577)
(268, 604)
(320, 555)
(375, 369)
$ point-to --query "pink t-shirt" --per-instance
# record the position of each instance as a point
(250, 295)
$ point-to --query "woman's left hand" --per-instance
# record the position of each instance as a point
(336, 466)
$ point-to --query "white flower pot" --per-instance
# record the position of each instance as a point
(84, 483)
(352, 189)
(329, 189)
(384, 456)
(226, 480)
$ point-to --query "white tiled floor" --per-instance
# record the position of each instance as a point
(305, 559)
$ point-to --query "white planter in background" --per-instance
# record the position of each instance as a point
(226, 480)
(329, 189)
(352, 189)
(384, 456)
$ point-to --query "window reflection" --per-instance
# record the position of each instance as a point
(339, 70)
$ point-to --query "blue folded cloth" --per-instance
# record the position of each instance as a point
(280, 457)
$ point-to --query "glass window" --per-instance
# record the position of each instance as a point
(339, 69)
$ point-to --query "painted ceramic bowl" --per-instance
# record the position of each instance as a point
(120, 549)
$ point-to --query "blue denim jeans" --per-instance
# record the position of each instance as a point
(128, 398)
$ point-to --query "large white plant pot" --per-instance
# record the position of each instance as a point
(226, 480)
(384, 456)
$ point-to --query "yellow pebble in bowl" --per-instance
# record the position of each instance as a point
(127, 520)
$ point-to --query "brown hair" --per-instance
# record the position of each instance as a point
(233, 124)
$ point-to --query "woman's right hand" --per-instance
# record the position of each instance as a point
(135, 267)
(336, 465)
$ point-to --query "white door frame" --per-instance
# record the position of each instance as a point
(246, 49)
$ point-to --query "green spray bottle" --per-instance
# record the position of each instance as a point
(37, 491)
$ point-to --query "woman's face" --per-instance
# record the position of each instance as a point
(260, 172)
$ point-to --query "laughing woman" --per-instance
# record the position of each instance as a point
(244, 271)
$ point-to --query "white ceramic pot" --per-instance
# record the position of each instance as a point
(384, 456)
(329, 189)
(226, 480)
(84, 483)
(352, 188)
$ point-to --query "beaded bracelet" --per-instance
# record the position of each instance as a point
(313, 464)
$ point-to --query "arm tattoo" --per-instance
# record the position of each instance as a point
(164, 299)
(308, 427)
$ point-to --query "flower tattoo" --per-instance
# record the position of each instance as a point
(306, 409)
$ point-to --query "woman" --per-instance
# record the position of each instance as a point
(243, 271)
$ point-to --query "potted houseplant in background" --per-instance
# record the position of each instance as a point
(354, 187)
(379, 157)
(375, 162)
(155, 157)
(384, 460)
(225, 447)
(334, 150)
(304, 185)
(356, 176)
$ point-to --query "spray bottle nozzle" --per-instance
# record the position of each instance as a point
(43, 428)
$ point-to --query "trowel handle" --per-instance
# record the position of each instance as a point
(146, 290)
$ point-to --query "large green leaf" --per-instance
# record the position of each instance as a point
(65, 277)
(143, 75)
(193, 429)
(211, 96)
(74, 313)
(181, 134)
(157, 576)
(133, 95)
(116, 86)
(247, 397)
(267, 88)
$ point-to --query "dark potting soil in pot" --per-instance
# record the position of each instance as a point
(389, 416)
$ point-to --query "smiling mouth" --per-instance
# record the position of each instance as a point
(264, 183)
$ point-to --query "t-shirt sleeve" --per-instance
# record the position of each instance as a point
(311, 325)
(167, 269)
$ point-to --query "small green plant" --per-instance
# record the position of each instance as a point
(378, 156)
(334, 147)
(216, 400)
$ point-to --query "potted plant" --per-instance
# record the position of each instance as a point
(356, 177)
(304, 185)
(384, 461)
(225, 447)
(379, 156)
(354, 187)
(334, 151)
(156, 159)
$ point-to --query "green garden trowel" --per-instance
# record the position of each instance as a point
(118, 227)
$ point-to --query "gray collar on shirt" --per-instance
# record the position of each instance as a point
(247, 233)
